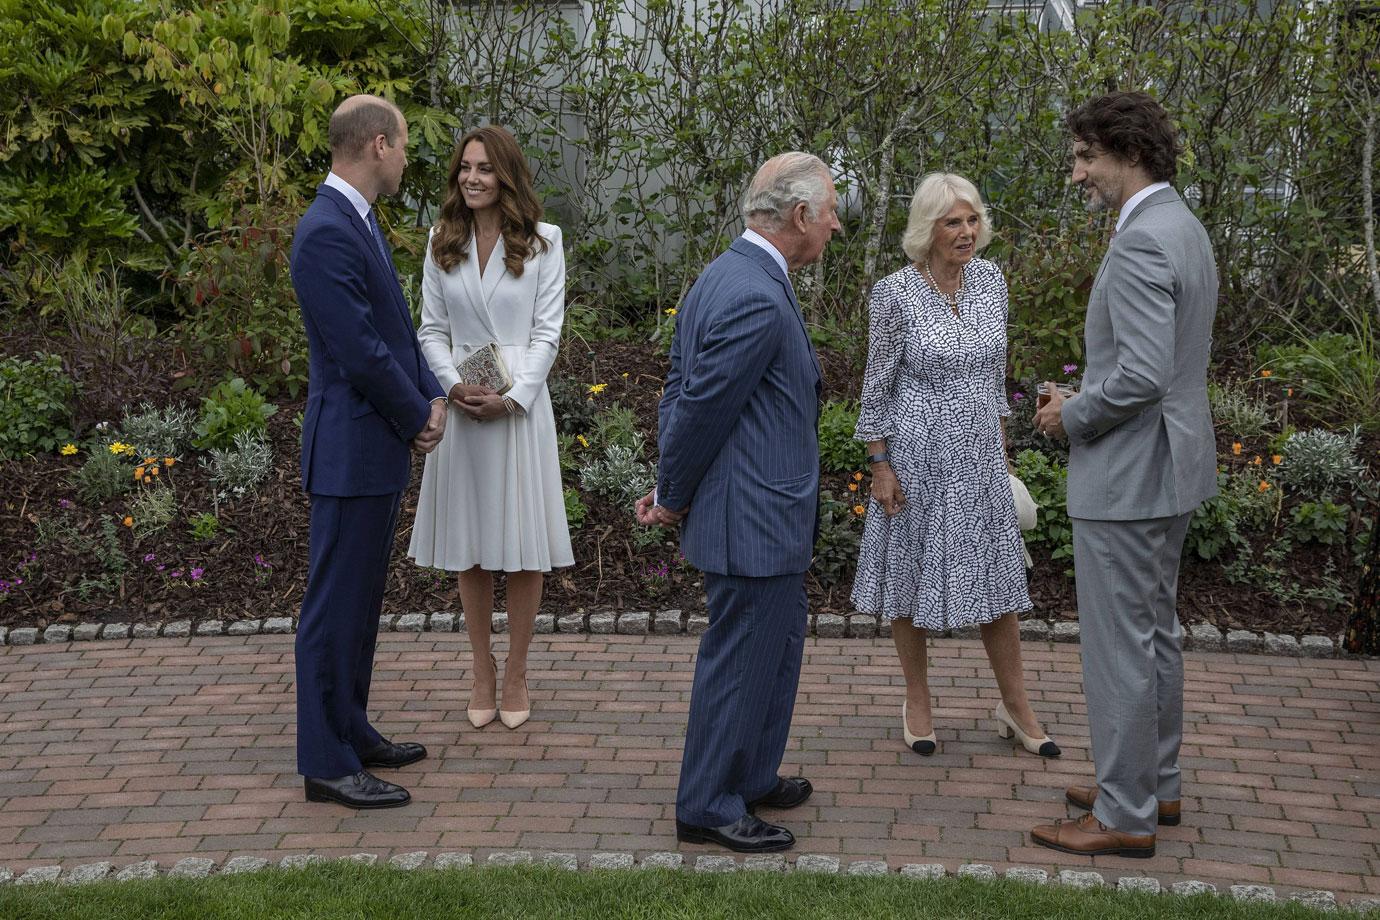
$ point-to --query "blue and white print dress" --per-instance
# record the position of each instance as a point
(935, 391)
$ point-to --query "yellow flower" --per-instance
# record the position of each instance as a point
(625, 375)
(1236, 448)
(671, 311)
(120, 447)
(597, 388)
(68, 450)
(128, 521)
(584, 442)
(1263, 487)
(1276, 459)
(1266, 373)
(852, 487)
(858, 509)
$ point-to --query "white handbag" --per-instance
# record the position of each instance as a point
(1026, 510)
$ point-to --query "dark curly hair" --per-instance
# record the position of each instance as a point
(1132, 126)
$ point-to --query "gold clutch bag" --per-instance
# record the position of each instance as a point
(485, 368)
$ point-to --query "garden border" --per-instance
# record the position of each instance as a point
(1202, 637)
(202, 867)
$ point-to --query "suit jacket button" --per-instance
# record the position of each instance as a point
(464, 348)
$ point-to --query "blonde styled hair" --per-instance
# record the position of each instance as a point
(936, 195)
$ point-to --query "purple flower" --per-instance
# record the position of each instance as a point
(259, 561)
(64, 503)
(177, 574)
(197, 573)
(160, 567)
(18, 581)
(150, 557)
(1018, 396)
(1070, 368)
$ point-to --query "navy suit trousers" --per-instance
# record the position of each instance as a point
(746, 675)
(351, 539)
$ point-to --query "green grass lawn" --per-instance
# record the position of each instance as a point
(340, 890)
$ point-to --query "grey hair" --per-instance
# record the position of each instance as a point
(936, 195)
(780, 184)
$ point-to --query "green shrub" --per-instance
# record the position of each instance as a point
(33, 404)
(838, 452)
(102, 476)
(154, 432)
(1214, 525)
(1339, 371)
(102, 550)
(1234, 408)
(574, 410)
(1319, 522)
(1047, 480)
(231, 409)
(575, 509)
(204, 526)
(617, 425)
(153, 511)
(237, 470)
(619, 476)
(840, 534)
(1319, 463)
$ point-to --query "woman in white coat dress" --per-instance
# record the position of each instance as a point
(491, 498)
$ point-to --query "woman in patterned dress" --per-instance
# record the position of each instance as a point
(941, 547)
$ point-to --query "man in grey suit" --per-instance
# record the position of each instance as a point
(1141, 458)
(740, 463)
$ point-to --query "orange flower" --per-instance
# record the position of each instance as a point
(1236, 448)
(857, 477)
(858, 509)
(852, 487)
(168, 461)
(138, 472)
(1263, 487)
(1276, 459)
(154, 470)
(128, 521)
(1256, 461)
(1266, 373)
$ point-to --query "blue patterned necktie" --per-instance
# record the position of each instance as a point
(377, 234)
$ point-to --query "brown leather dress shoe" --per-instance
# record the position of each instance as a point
(1084, 796)
(1090, 837)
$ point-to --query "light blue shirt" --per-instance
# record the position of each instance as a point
(350, 192)
(1136, 199)
(757, 239)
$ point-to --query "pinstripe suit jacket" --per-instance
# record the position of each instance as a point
(739, 421)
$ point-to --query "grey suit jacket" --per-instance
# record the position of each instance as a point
(1140, 433)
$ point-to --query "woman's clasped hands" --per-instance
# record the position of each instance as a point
(480, 403)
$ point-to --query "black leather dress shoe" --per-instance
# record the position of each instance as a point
(360, 790)
(389, 754)
(749, 834)
(787, 794)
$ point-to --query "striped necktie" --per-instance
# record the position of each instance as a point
(377, 234)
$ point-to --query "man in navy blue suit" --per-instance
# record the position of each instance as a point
(370, 397)
(740, 466)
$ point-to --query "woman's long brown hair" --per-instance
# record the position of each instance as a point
(519, 209)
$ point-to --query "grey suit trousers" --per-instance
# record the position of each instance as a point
(1133, 675)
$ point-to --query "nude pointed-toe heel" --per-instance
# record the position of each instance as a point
(515, 717)
(481, 717)
(1006, 727)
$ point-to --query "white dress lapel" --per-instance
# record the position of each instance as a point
(494, 271)
(474, 291)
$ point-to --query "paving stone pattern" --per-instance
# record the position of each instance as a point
(145, 753)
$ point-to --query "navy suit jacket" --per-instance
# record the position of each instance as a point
(739, 421)
(369, 389)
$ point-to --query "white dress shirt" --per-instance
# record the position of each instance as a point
(1136, 199)
(350, 192)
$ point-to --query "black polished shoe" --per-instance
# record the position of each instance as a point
(787, 794)
(393, 755)
(360, 790)
(749, 834)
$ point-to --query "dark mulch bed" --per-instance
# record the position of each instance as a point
(273, 524)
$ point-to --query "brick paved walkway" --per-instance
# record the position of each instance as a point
(170, 748)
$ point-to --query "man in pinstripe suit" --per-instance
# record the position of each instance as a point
(740, 466)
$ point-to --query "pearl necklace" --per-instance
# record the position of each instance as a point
(953, 299)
